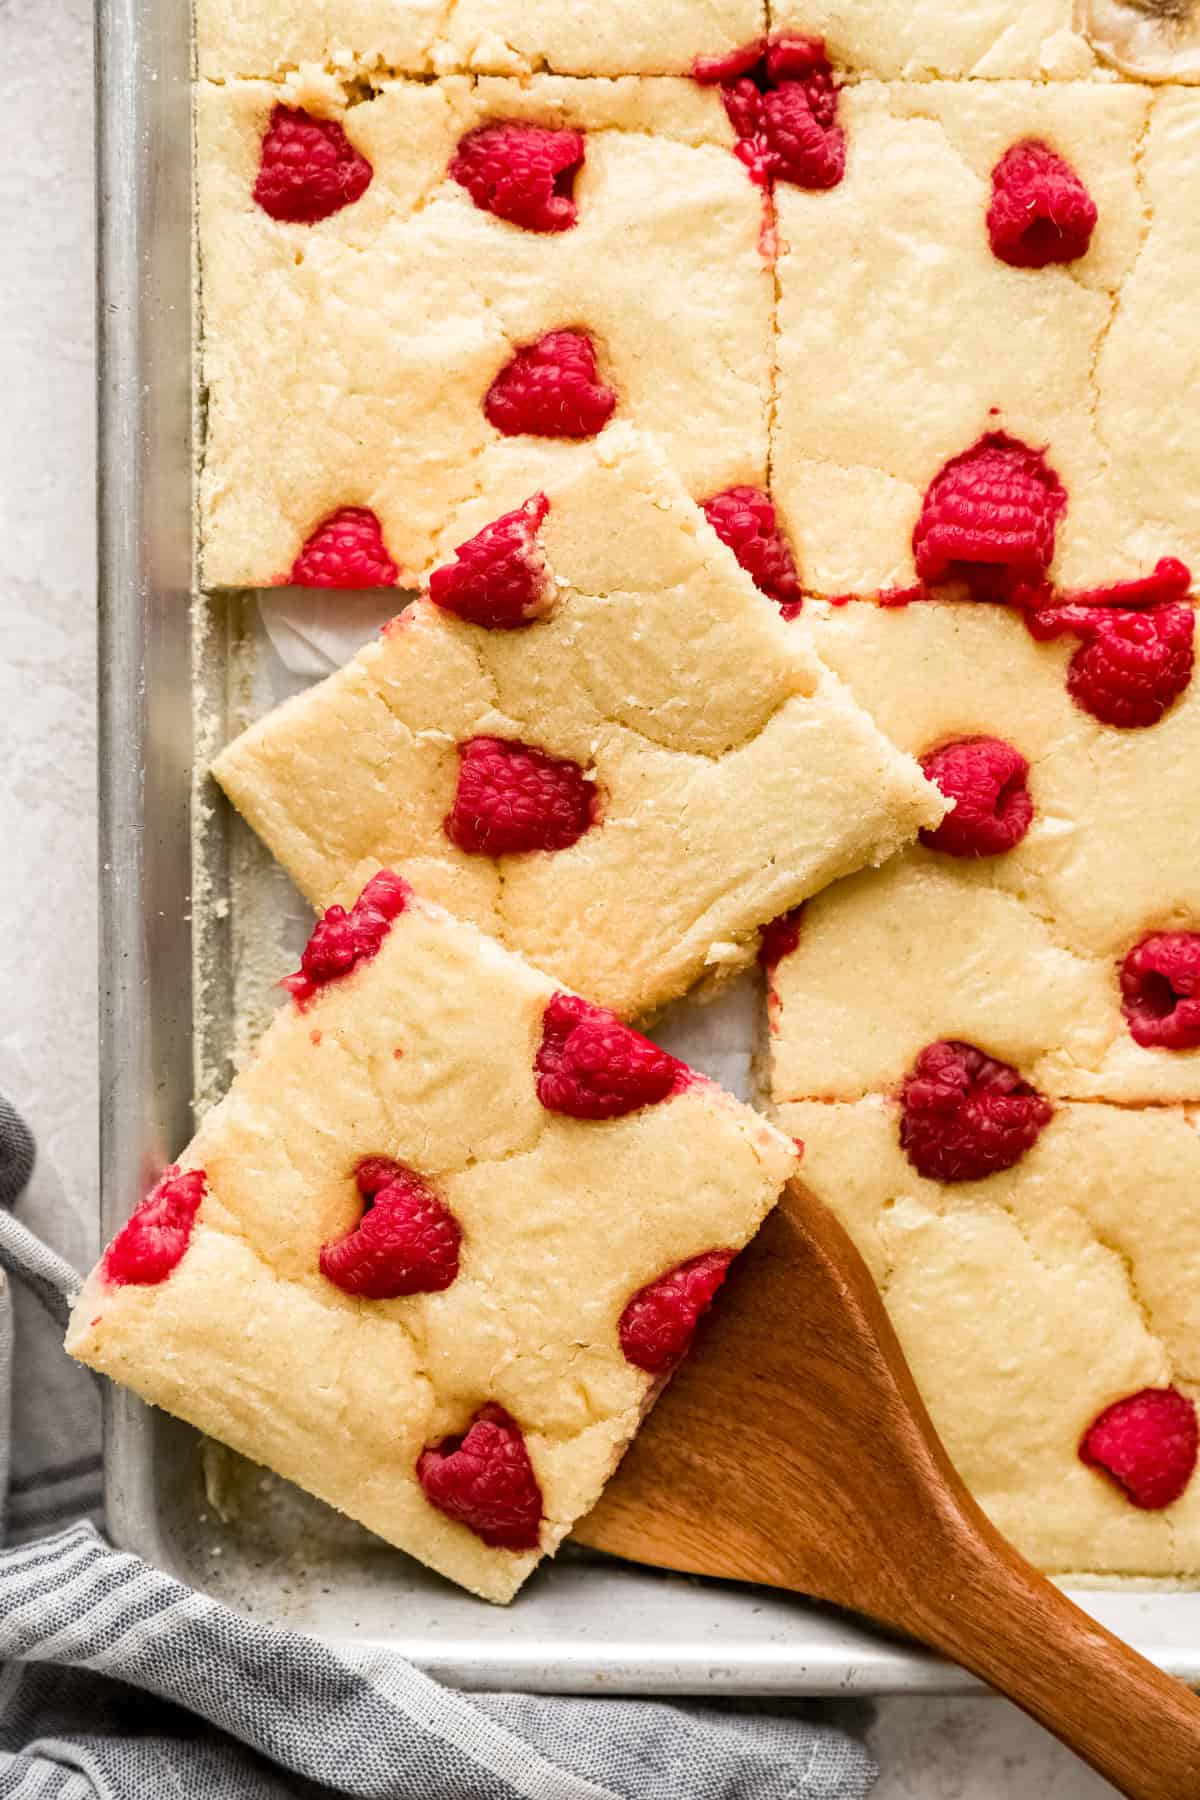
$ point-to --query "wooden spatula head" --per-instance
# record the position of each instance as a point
(793, 1449)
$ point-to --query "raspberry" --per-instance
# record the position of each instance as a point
(1133, 665)
(1170, 580)
(782, 101)
(590, 1066)
(778, 939)
(485, 1481)
(406, 1242)
(1147, 1443)
(550, 389)
(986, 778)
(1160, 990)
(800, 148)
(1138, 647)
(658, 1325)
(373, 1173)
(966, 1116)
(497, 578)
(522, 173)
(1040, 211)
(892, 596)
(342, 939)
(804, 59)
(709, 70)
(345, 551)
(511, 797)
(743, 104)
(989, 519)
(308, 169)
(1049, 615)
(744, 518)
(147, 1248)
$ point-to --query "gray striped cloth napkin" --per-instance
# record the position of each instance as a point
(118, 1683)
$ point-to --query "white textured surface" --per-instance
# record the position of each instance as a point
(930, 1750)
(47, 952)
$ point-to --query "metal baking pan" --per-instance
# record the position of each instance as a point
(174, 950)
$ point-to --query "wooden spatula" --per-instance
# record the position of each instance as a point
(792, 1448)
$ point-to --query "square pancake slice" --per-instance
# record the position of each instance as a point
(905, 339)
(436, 1251)
(487, 37)
(1028, 952)
(374, 271)
(1051, 1315)
(649, 765)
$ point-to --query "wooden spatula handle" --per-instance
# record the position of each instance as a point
(991, 1612)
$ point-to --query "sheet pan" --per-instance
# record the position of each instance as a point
(194, 921)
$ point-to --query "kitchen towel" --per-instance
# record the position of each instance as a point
(50, 1438)
(119, 1683)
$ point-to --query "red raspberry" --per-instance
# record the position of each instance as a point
(804, 59)
(1160, 990)
(743, 104)
(1147, 1443)
(744, 518)
(1138, 650)
(345, 551)
(511, 797)
(485, 1481)
(986, 778)
(966, 1116)
(1133, 665)
(782, 101)
(800, 148)
(497, 578)
(590, 1066)
(1170, 580)
(1040, 211)
(658, 1325)
(989, 519)
(522, 173)
(308, 169)
(892, 596)
(709, 70)
(406, 1242)
(550, 389)
(147, 1248)
(779, 939)
(342, 939)
(373, 1173)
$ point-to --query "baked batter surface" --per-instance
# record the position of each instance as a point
(425, 1054)
(724, 801)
